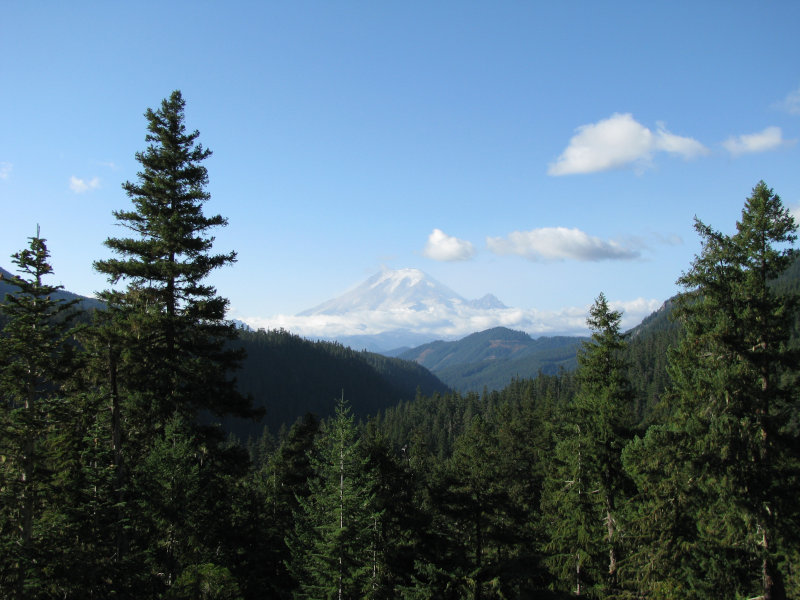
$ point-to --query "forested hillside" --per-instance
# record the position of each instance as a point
(612, 481)
(289, 376)
(86, 304)
(492, 358)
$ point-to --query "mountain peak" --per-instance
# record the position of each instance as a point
(392, 279)
(489, 301)
(396, 290)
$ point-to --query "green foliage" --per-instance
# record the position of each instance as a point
(35, 361)
(492, 358)
(284, 482)
(732, 459)
(396, 532)
(177, 320)
(289, 376)
(484, 543)
(586, 489)
(160, 356)
(115, 482)
(205, 582)
(333, 549)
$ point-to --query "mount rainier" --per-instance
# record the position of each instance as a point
(401, 290)
(406, 308)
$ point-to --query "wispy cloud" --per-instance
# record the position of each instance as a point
(5, 170)
(617, 142)
(445, 247)
(559, 243)
(770, 138)
(791, 103)
(80, 186)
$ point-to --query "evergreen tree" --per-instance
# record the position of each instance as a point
(35, 361)
(570, 517)
(480, 525)
(588, 488)
(177, 321)
(524, 433)
(398, 520)
(96, 566)
(161, 356)
(332, 548)
(665, 559)
(284, 481)
(734, 387)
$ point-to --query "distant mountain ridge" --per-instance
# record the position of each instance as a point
(491, 358)
(6, 287)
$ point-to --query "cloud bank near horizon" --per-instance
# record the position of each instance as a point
(441, 323)
(620, 141)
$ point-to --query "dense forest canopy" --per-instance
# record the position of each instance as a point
(666, 465)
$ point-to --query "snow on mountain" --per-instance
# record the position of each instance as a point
(398, 307)
(402, 289)
(406, 307)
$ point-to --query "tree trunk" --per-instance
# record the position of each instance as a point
(612, 550)
(27, 480)
(771, 578)
(478, 555)
(116, 446)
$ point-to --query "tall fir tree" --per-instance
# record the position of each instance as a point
(397, 517)
(588, 487)
(177, 321)
(734, 378)
(35, 361)
(333, 545)
(665, 559)
(161, 354)
(284, 482)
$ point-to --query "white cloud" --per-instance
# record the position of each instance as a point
(617, 142)
(559, 243)
(445, 247)
(791, 103)
(5, 170)
(676, 144)
(633, 311)
(79, 186)
(769, 139)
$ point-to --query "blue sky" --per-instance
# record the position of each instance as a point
(543, 152)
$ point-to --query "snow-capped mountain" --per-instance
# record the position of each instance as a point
(396, 308)
(402, 289)
(406, 307)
